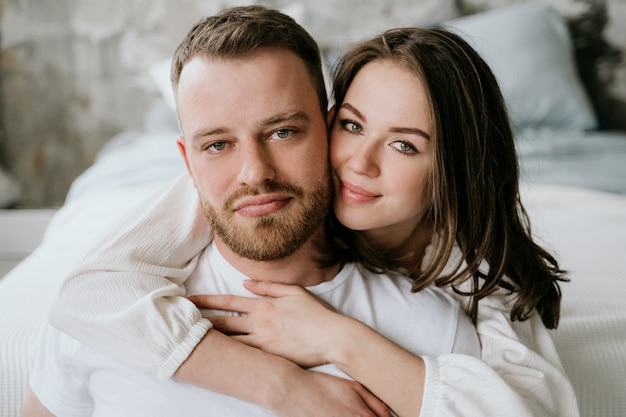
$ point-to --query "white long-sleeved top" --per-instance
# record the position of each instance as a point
(130, 289)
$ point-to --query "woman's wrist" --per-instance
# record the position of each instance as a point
(278, 385)
(346, 340)
(390, 372)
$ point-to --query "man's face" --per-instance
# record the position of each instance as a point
(255, 143)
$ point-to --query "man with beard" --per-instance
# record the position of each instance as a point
(252, 108)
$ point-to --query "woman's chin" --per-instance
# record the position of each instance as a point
(352, 219)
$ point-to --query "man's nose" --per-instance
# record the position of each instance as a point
(256, 165)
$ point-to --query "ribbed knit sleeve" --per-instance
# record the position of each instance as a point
(519, 372)
(127, 299)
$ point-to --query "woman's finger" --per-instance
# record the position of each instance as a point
(377, 407)
(230, 324)
(271, 289)
(275, 290)
(226, 302)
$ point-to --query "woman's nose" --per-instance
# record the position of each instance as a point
(365, 160)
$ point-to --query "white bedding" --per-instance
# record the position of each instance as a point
(588, 231)
(26, 292)
(128, 170)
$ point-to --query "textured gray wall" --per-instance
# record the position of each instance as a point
(74, 72)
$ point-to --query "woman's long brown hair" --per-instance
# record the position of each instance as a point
(475, 180)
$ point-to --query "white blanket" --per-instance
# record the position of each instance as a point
(588, 231)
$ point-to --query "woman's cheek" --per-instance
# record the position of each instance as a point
(338, 149)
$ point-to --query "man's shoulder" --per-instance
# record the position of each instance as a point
(423, 322)
(399, 280)
(393, 286)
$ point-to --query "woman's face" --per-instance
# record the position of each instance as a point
(381, 153)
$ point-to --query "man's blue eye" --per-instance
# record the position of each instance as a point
(283, 133)
(217, 146)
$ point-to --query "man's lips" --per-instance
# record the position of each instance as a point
(259, 205)
(354, 194)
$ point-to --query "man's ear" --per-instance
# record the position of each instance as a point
(330, 116)
(180, 142)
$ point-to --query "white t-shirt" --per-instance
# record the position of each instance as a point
(71, 379)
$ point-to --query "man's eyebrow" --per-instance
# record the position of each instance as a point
(203, 133)
(284, 117)
(407, 130)
(273, 120)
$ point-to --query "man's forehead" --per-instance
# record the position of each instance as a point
(260, 89)
(279, 65)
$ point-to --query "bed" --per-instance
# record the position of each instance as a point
(574, 187)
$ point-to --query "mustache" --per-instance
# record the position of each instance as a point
(270, 187)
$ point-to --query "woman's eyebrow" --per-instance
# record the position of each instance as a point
(411, 131)
(407, 130)
(354, 110)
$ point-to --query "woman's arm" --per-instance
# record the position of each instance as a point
(127, 301)
(222, 364)
(519, 365)
(61, 380)
(298, 326)
(130, 288)
(518, 371)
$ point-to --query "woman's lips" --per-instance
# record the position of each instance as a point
(353, 194)
(260, 205)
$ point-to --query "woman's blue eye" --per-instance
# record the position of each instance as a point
(351, 126)
(404, 147)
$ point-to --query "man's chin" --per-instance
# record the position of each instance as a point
(265, 245)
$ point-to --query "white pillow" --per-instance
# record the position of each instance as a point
(529, 49)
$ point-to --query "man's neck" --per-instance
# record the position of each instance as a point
(300, 268)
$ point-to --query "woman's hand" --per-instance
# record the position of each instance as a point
(291, 322)
(222, 364)
(320, 394)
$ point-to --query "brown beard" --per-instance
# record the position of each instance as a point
(276, 235)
